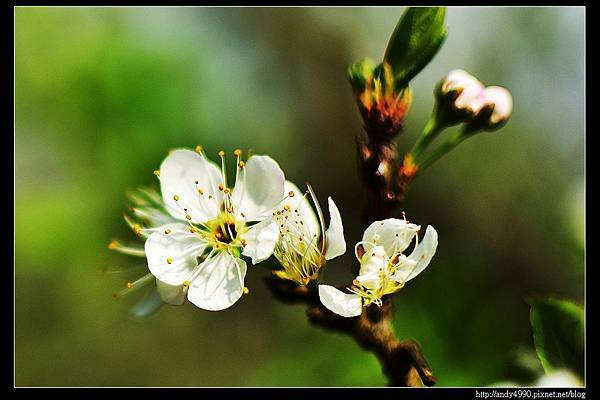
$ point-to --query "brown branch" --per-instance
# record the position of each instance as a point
(401, 360)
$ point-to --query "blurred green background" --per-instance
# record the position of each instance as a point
(103, 93)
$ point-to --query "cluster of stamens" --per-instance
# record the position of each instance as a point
(297, 250)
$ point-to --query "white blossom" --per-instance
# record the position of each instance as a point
(384, 269)
(198, 229)
(304, 245)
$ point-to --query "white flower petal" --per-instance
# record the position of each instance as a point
(259, 188)
(219, 283)
(371, 264)
(393, 234)
(261, 239)
(179, 173)
(558, 379)
(372, 282)
(172, 294)
(172, 257)
(334, 237)
(346, 305)
(420, 258)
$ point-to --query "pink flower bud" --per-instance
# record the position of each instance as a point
(502, 101)
(460, 96)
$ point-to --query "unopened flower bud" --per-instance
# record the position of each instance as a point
(459, 97)
(361, 74)
(502, 101)
(495, 111)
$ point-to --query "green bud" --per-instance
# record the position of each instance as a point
(361, 74)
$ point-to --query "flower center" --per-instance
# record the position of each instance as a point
(225, 231)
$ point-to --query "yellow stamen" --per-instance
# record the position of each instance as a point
(246, 290)
(199, 149)
(157, 172)
(291, 194)
(221, 186)
(188, 217)
(237, 152)
(221, 154)
(167, 231)
(176, 197)
(113, 245)
(186, 284)
(129, 285)
(169, 260)
(241, 164)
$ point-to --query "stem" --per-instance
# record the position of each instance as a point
(448, 145)
(430, 132)
(401, 360)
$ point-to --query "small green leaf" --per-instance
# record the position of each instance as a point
(558, 334)
(415, 41)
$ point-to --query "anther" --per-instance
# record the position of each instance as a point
(193, 230)
(199, 149)
(186, 284)
(169, 260)
(226, 190)
(188, 217)
(287, 207)
(291, 194)
(241, 164)
(237, 152)
(201, 191)
(176, 197)
(137, 229)
(221, 186)
(243, 242)
(129, 285)
(221, 154)
(229, 209)
(245, 290)
(167, 231)
(113, 245)
(157, 172)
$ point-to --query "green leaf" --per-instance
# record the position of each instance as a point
(558, 334)
(415, 41)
